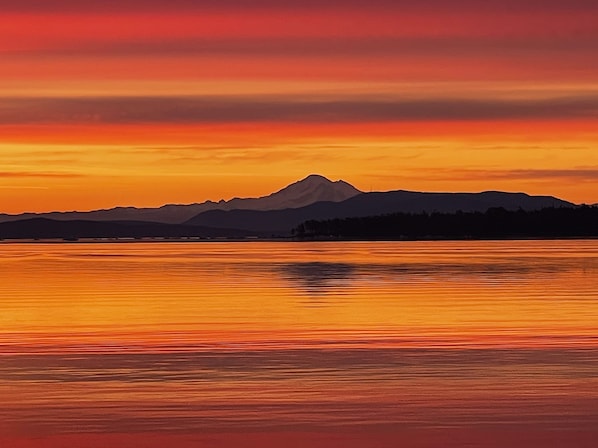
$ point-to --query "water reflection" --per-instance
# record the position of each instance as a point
(302, 389)
(326, 280)
(318, 278)
(206, 338)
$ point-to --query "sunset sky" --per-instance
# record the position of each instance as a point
(146, 102)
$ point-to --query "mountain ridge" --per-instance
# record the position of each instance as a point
(372, 204)
(311, 189)
(312, 198)
(243, 223)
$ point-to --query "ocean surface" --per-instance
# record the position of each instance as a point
(274, 344)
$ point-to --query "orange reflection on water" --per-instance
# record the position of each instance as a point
(227, 292)
(330, 344)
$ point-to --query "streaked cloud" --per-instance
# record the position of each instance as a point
(38, 174)
(281, 109)
(373, 46)
(576, 174)
(588, 174)
(186, 5)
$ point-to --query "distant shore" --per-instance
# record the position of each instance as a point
(273, 239)
(493, 224)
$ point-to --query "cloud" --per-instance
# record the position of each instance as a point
(349, 46)
(38, 174)
(284, 109)
(244, 154)
(578, 174)
(22, 187)
(136, 6)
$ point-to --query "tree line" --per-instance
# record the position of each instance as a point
(495, 223)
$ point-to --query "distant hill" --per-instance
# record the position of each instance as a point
(312, 198)
(312, 189)
(371, 204)
(43, 228)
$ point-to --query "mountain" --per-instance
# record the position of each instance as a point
(312, 198)
(312, 189)
(372, 204)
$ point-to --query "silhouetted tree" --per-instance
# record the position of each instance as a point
(563, 222)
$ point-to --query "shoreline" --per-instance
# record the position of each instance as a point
(275, 239)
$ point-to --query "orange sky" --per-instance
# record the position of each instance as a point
(152, 102)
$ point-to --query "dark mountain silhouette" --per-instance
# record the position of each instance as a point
(44, 228)
(370, 204)
(313, 188)
(312, 198)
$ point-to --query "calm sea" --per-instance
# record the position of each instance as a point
(261, 344)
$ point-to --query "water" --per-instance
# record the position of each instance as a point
(413, 344)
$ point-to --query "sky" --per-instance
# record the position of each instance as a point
(143, 103)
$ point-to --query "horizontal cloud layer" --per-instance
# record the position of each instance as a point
(578, 174)
(292, 109)
(335, 46)
(144, 5)
(39, 174)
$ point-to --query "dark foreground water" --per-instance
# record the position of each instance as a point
(435, 344)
